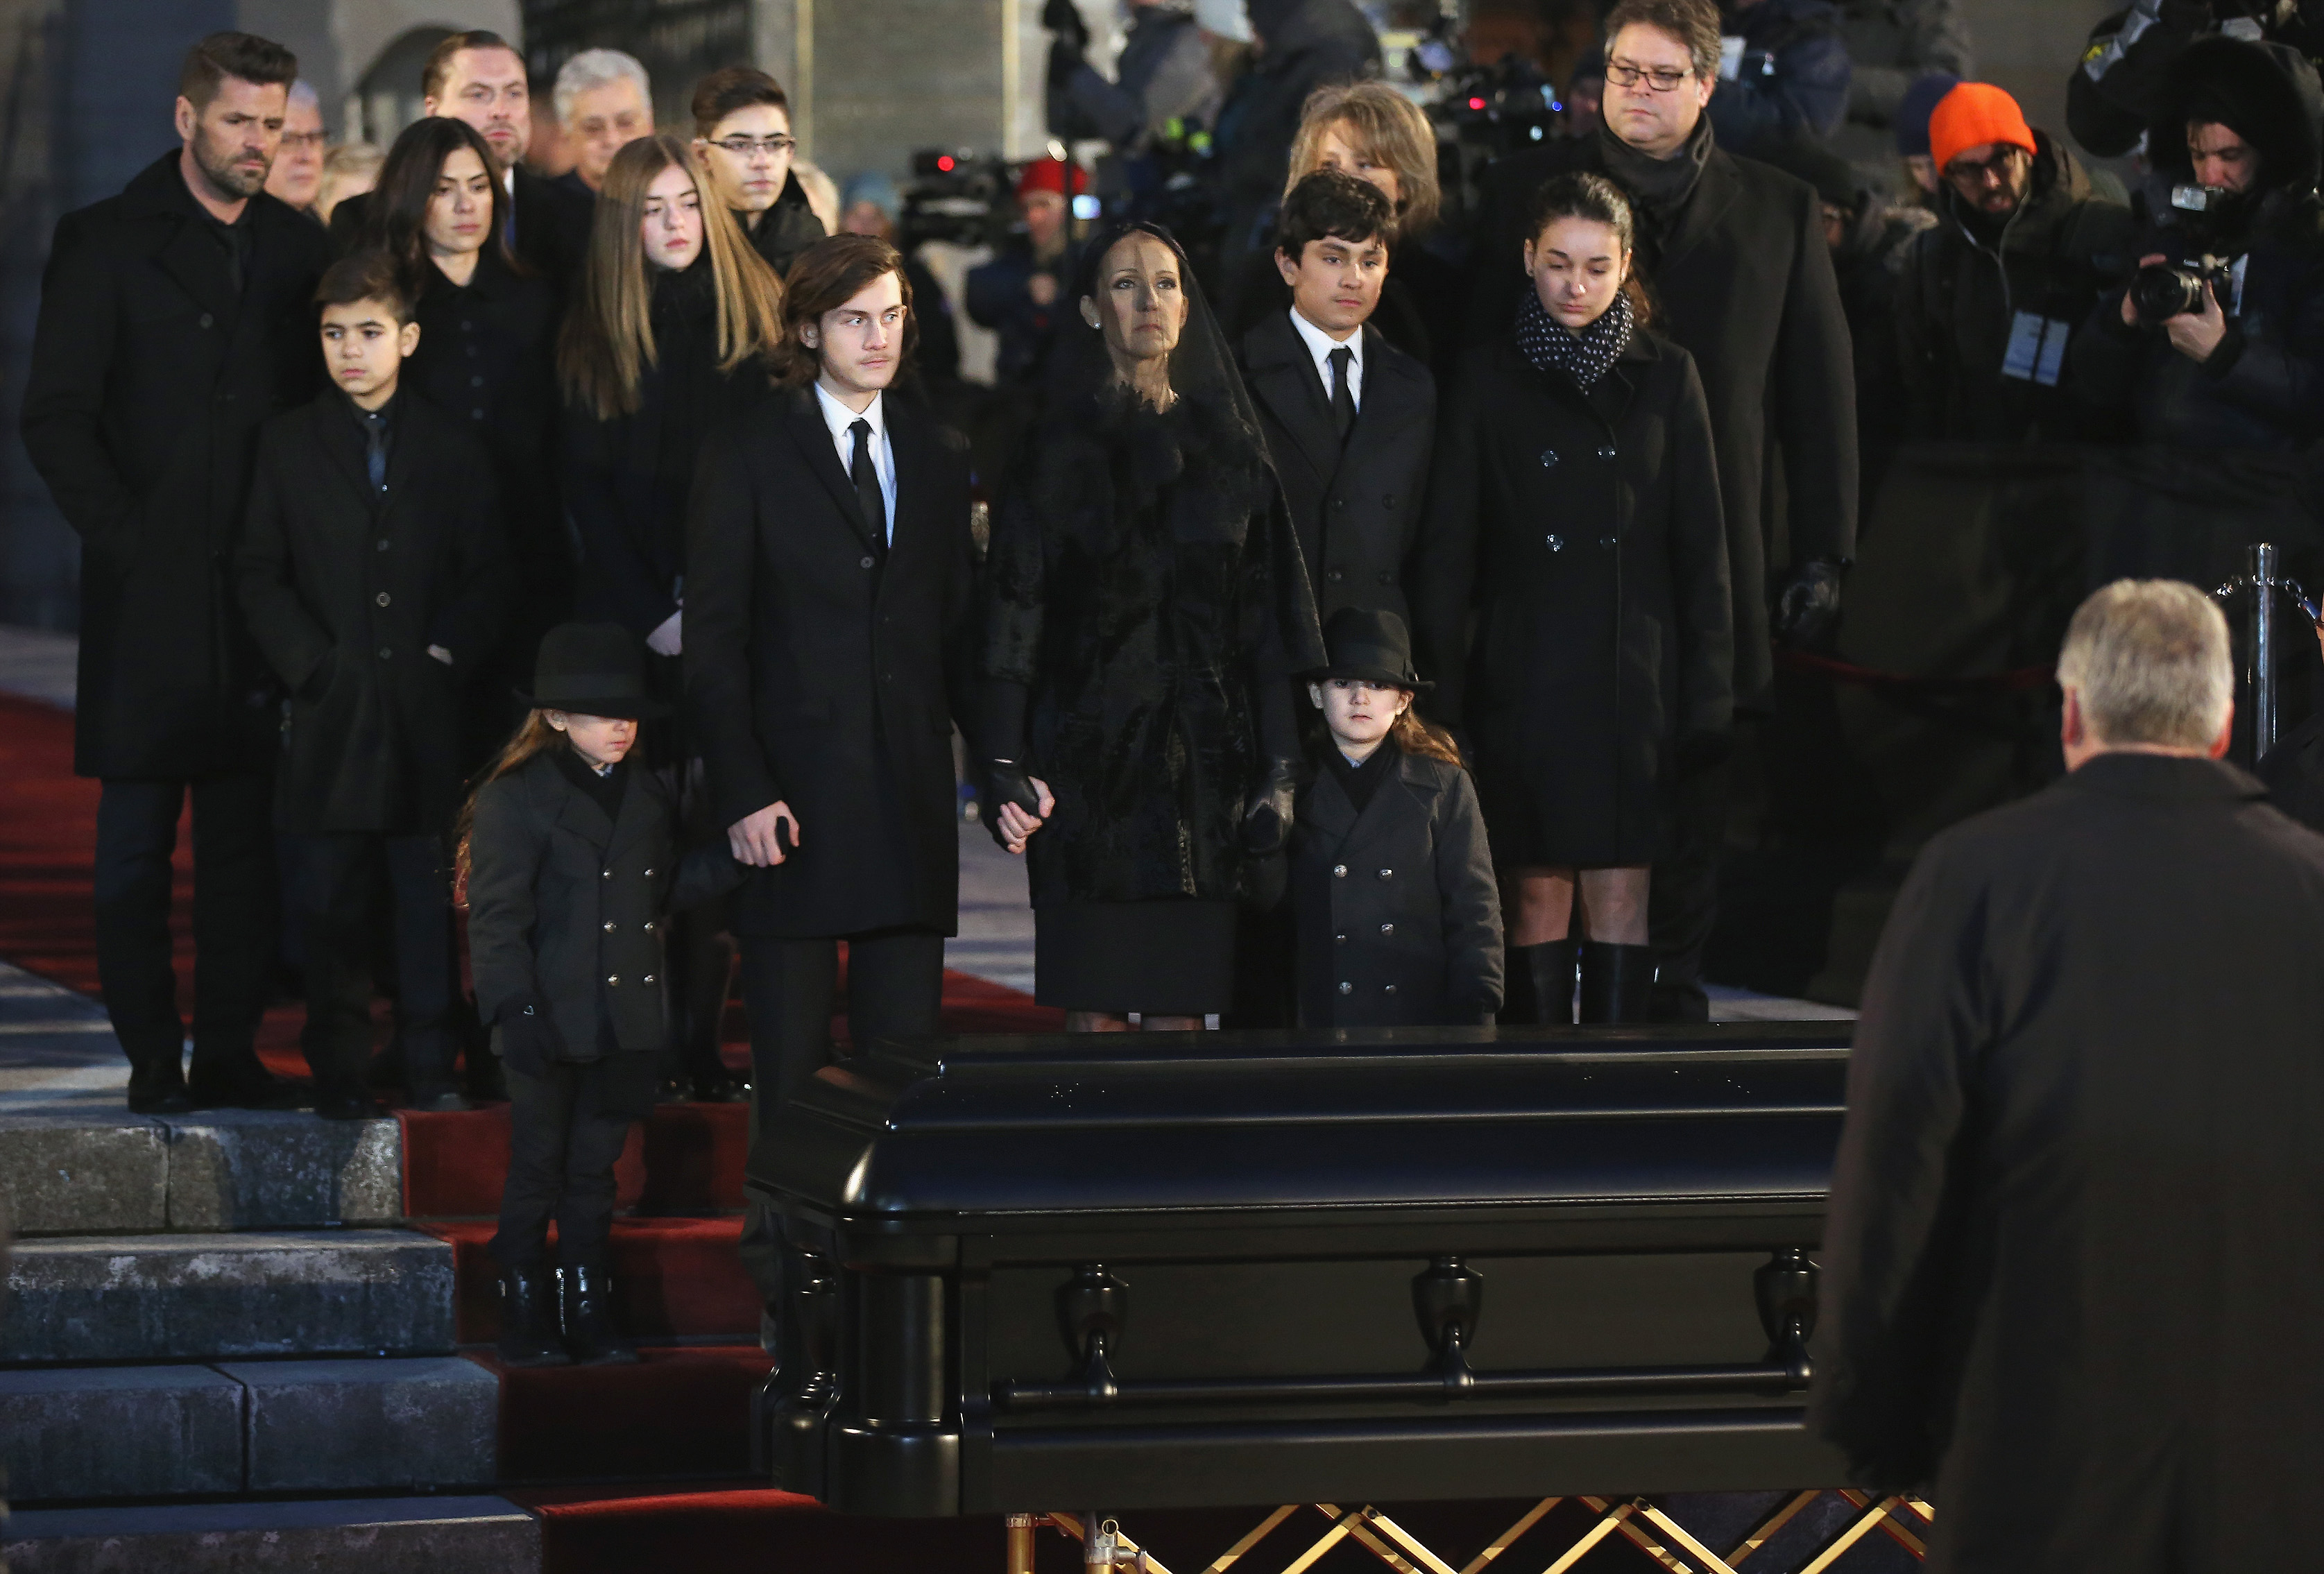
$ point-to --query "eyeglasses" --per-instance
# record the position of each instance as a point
(743, 147)
(1998, 170)
(1623, 74)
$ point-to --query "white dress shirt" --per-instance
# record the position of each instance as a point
(839, 417)
(1321, 345)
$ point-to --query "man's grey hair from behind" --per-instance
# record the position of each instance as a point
(2151, 661)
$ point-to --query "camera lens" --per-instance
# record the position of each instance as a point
(2162, 290)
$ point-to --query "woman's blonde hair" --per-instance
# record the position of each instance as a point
(608, 342)
(532, 735)
(1388, 127)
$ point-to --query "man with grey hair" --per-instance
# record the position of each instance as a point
(296, 178)
(604, 102)
(2070, 1277)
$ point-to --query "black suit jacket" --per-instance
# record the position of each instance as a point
(346, 592)
(552, 226)
(817, 677)
(1744, 284)
(148, 382)
(2069, 1214)
(1356, 508)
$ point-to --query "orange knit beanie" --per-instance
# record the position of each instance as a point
(1973, 115)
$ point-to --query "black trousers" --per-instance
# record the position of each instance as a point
(895, 987)
(562, 1148)
(235, 916)
(1682, 896)
(339, 879)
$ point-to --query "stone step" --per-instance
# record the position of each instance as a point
(442, 1535)
(94, 1174)
(256, 1426)
(180, 1297)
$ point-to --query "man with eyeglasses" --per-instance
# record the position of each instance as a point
(479, 77)
(296, 178)
(742, 137)
(1734, 253)
(604, 102)
(1989, 298)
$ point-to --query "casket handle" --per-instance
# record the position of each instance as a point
(1092, 1307)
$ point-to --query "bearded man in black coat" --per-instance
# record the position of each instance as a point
(1734, 256)
(2068, 1272)
(175, 320)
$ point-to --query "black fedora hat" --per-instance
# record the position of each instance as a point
(591, 669)
(1373, 646)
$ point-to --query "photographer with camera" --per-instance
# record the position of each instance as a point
(2118, 84)
(1988, 299)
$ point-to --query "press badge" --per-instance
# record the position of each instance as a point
(2037, 349)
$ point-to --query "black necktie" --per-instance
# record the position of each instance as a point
(1344, 396)
(375, 438)
(868, 497)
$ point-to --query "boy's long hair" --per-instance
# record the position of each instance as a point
(608, 342)
(532, 736)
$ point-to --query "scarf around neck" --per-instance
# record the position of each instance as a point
(1548, 345)
(1661, 186)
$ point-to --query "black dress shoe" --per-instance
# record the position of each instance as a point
(159, 1092)
(349, 1105)
(440, 1100)
(243, 1083)
(719, 1087)
(589, 1335)
(529, 1332)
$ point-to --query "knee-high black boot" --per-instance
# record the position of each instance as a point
(1540, 986)
(1616, 981)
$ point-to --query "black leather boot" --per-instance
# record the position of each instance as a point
(528, 1332)
(159, 1088)
(1540, 986)
(589, 1336)
(1616, 981)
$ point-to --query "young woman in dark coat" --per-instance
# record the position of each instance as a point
(674, 324)
(1149, 609)
(1576, 513)
(487, 331)
(571, 859)
(1397, 918)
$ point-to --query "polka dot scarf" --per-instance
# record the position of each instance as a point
(1584, 357)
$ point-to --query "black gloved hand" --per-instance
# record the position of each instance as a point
(1699, 748)
(1010, 784)
(1063, 18)
(530, 1042)
(1267, 818)
(1807, 602)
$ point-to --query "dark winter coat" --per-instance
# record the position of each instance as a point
(1961, 296)
(345, 589)
(2065, 1270)
(1868, 266)
(1793, 80)
(1744, 284)
(786, 229)
(1397, 915)
(2112, 94)
(818, 679)
(552, 225)
(1302, 45)
(2264, 386)
(1357, 508)
(1147, 590)
(487, 355)
(1163, 73)
(148, 382)
(1585, 532)
(999, 297)
(627, 478)
(1894, 43)
(571, 908)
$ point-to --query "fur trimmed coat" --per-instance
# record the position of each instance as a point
(1147, 592)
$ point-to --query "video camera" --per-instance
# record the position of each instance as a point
(2162, 290)
(959, 196)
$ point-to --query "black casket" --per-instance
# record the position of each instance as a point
(1190, 1270)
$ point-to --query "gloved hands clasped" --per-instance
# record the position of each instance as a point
(1808, 601)
(1267, 818)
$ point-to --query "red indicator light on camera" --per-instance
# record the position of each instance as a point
(945, 163)
(1476, 103)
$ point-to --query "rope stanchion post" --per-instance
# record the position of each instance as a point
(2262, 578)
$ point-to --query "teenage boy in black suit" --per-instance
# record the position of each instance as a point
(828, 559)
(1348, 417)
(372, 574)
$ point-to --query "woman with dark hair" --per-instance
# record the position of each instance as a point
(1575, 511)
(674, 323)
(487, 326)
(1148, 607)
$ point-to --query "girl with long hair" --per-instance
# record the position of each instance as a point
(675, 325)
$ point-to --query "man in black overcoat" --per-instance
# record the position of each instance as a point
(373, 574)
(2069, 1276)
(175, 318)
(478, 77)
(1734, 254)
(828, 561)
(1351, 451)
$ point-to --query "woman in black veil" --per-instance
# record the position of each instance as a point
(1148, 605)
